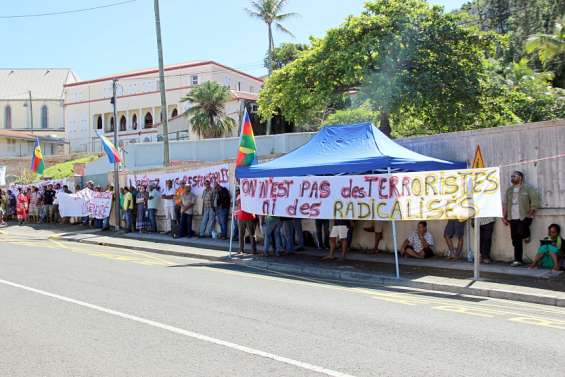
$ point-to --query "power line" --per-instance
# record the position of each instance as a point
(69, 11)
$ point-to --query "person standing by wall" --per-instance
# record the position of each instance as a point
(168, 198)
(188, 201)
(246, 223)
(221, 203)
(152, 206)
(178, 193)
(207, 211)
(376, 227)
(486, 228)
(22, 205)
(322, 233)
(141, 205)
(48, 199)
(34, 204)
(520, 204)
(128, 209)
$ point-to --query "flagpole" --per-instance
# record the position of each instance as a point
(116, 163)
(235, 185)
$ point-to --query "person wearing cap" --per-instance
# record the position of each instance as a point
(178, 193)
(520, 205)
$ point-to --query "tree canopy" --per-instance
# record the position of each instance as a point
(418, 68)
(207, 112)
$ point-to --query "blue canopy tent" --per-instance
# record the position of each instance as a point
(347, 149)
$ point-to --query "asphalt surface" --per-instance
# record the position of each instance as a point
(70, 309)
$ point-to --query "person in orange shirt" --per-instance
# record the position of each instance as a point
(178, 202)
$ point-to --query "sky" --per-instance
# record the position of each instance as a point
(122, 38)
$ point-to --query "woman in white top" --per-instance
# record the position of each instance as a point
(419, 244)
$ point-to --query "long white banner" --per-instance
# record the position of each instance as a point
(85, 203)
(195, 178)
(432, 195)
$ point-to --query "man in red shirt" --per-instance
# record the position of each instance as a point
(246, 222)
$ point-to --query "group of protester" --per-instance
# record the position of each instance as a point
(32, 204)
(521, 201)
(282, 235)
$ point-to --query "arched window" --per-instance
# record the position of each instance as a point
(175, 113)
(148, 121)
(147, 140)
(7, 117)
(44, 117)
(123, 122)
(134, 122)
(99, 123)
(111, 124)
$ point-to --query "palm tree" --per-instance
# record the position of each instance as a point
(207, 114)
(270, 12)
(548, 45)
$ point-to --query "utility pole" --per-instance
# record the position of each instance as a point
(30, 111)
(164, 110)
(116, 164)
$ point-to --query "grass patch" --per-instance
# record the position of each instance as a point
(65, 169)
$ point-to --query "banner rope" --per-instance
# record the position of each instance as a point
(534, 161)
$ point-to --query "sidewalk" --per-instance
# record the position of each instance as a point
(497, 280)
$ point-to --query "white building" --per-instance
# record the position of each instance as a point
(88, 107)
(44, 113)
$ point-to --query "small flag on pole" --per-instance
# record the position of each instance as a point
(37, 164)
(110, 149)
(247, 154)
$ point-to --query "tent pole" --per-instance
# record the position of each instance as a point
(395, 242)
(477, 251)
(232, 224)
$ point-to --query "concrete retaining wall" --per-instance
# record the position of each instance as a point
(513, 148)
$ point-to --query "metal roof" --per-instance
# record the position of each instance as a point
(44, 83)
(11, 134)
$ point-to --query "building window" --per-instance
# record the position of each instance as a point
(148, 123)
(44, 117)
(194, 80)
(175, 113)
(147, 140)
(239, 86)
(251, 89)
(99, 123)
(134, 122)
(7, 117)
(123, 122)
(112, 124)
(227, 81)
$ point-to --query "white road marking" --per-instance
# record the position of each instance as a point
(187, 333)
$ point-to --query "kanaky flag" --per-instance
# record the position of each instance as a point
(37, 164)
(247, 154)
(110, 149)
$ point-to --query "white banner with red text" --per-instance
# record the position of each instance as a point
(85, 203)
(430, 195)
(195, 178)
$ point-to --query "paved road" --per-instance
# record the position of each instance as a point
(70, 309)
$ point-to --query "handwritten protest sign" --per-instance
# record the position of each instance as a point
(85, 203)
(434, 195)
(195, 178)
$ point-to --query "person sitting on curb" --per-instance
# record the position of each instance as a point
(339, 230)
(551, 249)
(419, 244)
